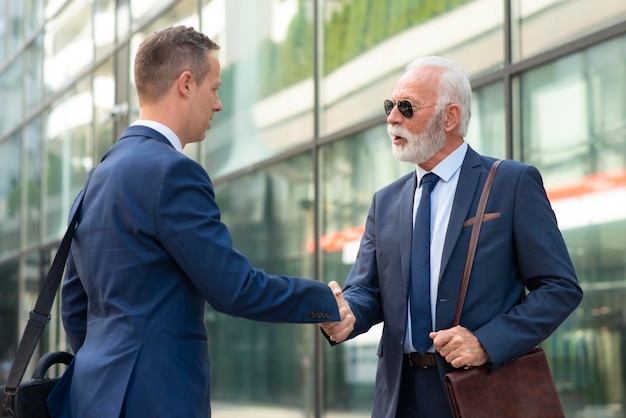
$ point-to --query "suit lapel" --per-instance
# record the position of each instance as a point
(406, 227)
(463, 197)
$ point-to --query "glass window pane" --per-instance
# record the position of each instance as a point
(17, 24)
(185, 13)
(11, 80)
(69, 154)
(267, 85)
(34, 91)
(574, 130)
(367, 46)
(34, 15)
(104, 108)
(5, 18)
(270, 216)
(33, 150)
(68, 39)
(551, 137)
(104, 22)
(10, 194)
(487, 128)
(351, 171)
(9, 319)
(142, 11)
(542, 25)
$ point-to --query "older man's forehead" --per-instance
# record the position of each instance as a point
(417, 84)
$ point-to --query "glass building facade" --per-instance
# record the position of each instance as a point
(300, 148)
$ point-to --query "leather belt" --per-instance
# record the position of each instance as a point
(421, 360)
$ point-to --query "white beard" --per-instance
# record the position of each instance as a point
(420, 147)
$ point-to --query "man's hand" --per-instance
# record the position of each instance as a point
(339, 331)
(459, 347)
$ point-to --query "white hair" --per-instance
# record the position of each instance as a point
(454, 86)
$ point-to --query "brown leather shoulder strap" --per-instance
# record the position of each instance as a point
(478, 221)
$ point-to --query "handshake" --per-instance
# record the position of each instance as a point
(457, 345)
(340, 330)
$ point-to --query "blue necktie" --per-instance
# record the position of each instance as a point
(421, 322)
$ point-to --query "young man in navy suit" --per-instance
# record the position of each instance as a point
(150, 251)
(520, 247)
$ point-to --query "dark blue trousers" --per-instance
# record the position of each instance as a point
(422, 394)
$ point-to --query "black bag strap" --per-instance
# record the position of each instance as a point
(478, 222)
(40, 315)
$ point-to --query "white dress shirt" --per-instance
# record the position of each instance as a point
(441, 200)
(162, 129)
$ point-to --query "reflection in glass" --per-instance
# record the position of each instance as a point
(554, 138)
(104, 24)
(487, 130)
(143, 11)
(69, 39)
(69, 154)
(16, 9)
(32, 199)
(33, 18)
(267, 86)
(352, 170)
(270, 217)
(541, 25)
(105, 112)
(11, 80)
(9, 322)
(367, 46)
(4, 28)
(34, 90)
(574, 130)
(10, 194)
(184, 13)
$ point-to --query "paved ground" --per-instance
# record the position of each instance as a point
(219, 410)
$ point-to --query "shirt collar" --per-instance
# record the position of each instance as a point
(164, 130)
(448, 166)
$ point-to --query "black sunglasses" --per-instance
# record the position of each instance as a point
(404, 106)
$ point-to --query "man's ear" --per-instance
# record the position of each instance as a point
(184, 82)
(451, 117)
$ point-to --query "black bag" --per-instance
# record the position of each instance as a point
(30, 399)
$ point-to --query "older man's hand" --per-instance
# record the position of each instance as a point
(340, 330)
(460, 347)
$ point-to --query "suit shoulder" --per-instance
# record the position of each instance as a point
(507, 165)
(514, 171)
(148, 158)
(396, 184)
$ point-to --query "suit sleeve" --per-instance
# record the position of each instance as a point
(545, 268)
(189, 226)
(362, 288)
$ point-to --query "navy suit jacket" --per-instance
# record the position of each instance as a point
(148, 253)
(520, 246)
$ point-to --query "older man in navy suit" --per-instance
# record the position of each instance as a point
(520, 247)
(150, 251)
